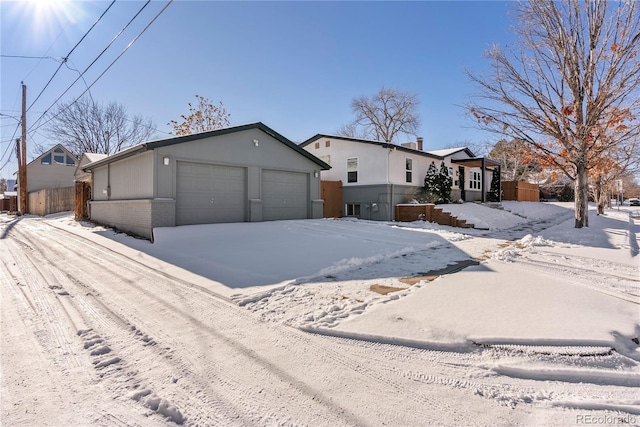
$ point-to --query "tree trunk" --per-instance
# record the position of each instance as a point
(581, 196)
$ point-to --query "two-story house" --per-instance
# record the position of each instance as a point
(376, 176)
(52, 169)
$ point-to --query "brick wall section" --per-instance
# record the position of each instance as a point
(428, 212)
(135, 216)
(409, 213)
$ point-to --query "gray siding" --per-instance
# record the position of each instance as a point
(132, 178)
(127, 179)
(100, 183)
(144, 187)
(234, 149)
(377, 202)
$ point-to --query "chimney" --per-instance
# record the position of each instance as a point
(420, 139)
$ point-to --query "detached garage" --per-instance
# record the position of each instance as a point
(243, 173)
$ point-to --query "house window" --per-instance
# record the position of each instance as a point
(46, 160)
(317, 145)
(352, 170)
(408, 170)
(70, 161)
(327, 143)
(474, 181)
(450, 171)
(352, 209)
(59, 159)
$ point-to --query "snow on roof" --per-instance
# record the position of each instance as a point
(446, 152)
(94, 157)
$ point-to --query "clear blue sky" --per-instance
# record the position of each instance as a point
(295, 66)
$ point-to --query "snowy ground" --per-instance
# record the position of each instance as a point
(543, 325)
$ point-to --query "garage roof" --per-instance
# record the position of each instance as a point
(145, 146)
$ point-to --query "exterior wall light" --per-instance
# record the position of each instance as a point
(255, 142)
(315, 174)
(165, 161)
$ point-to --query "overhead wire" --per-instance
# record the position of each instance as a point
(70, 52)
(81, 76)
(9, 145)
(31, 57)
(47, 52)
(101, 74)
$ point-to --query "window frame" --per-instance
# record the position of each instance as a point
(352, 209)
(352, 175)
(408, 170)
(474, 180)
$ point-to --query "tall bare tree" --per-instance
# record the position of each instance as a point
(569, 88)
(202, 117)
(89, 127)
(516, 157)
(384, 116)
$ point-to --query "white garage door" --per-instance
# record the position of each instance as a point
(209, 193)
(284, 195)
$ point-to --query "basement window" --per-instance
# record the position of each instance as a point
(352, 209)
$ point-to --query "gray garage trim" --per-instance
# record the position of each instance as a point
(207, 193)
(285, 195)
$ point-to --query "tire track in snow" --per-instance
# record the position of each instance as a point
(246, 351)
(331, 357)
(577, 277)
(105, 362)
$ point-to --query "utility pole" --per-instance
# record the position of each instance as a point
(23, 154)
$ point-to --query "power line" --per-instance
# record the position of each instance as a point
(104, 72)
(69, 54)
(9, 145)
(31, 57)
(81, 76)
(46, 53)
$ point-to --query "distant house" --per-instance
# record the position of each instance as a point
(237, 174)
(52, 169)
(376, 176)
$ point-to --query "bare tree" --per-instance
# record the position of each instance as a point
(516, 157)
(89, 127)
(203, 117)
(384, 116)
(613, 165)
(570, 88)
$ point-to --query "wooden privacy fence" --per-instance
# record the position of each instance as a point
(521, 191)
(332, 195)
(83, 195)
(51, 200)
(9, 204)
